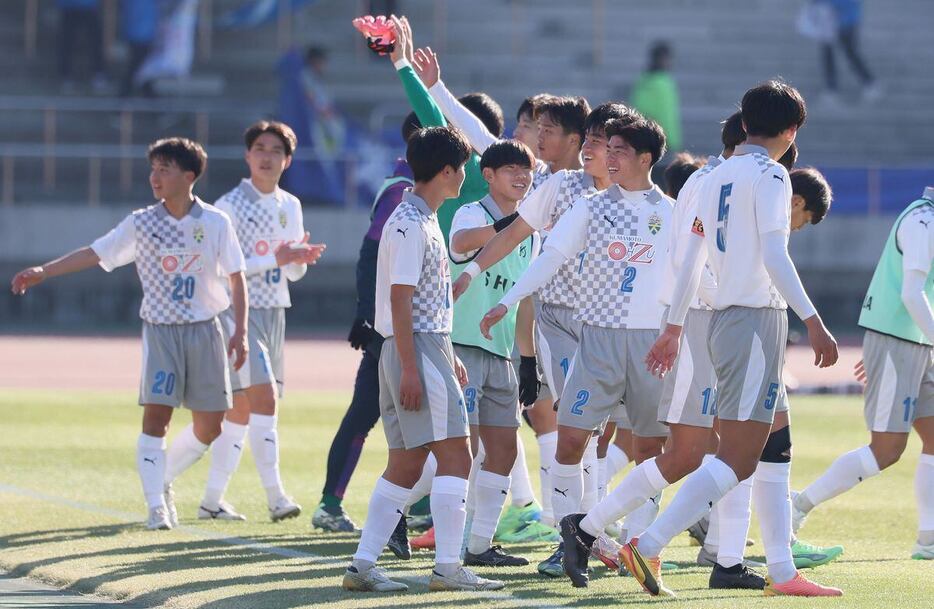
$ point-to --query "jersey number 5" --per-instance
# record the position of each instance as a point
(723, 214)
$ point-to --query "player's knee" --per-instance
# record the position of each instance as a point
(646, 448)
(777, 447)
(570, 449)
(887, 455)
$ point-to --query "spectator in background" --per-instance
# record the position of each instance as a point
(81, 34)
(140, 20)
(655, 94)
(328, 131)
(848, 14)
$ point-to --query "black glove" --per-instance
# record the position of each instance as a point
(505, 221)
(361, 333)
(529, 383)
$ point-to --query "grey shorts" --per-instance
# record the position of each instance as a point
(185, 365)
(899, 382)
(492, 391)
(266, 336)
(610, 367)
(747, 349)
(689, 390)
(621, 417)
(441, 414)
(556, 337)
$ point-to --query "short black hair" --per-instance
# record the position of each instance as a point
(658, 53)
(598, 118)
(790, 157)
(186, 154)
(432, 149)
(568, 112)
(530, 105)
(507, 152)
(278, 129)
(678, 172)
(487, 110)
(316, 53)
(732, 133)
(811, 185)
(644, 135)
(410, 125)
(772, 107)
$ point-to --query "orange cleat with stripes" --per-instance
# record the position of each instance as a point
(647, 571)
(799, 586)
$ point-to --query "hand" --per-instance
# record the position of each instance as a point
(238, 344)
(822, 342)
(859, 371)
(461, 371)
(664, 352)
(27, 278)
(361, 333)
(427, 67)
(460, 286)
(299, 253)
(410, 389)
(529, 382)
(492, 317)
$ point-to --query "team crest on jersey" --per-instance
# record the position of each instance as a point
(283, 218)
(198, 233)
(655, 223)
(181, 261)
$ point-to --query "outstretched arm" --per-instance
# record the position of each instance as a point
(77, 260)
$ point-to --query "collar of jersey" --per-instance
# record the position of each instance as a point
(928, 193)
(651, 195)
(249, 189)
(750, 149)
(195, 211)
(417, 201)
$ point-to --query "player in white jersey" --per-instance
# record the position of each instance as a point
(745, 206)
(185, 253)
(269, 227)
(421, 404)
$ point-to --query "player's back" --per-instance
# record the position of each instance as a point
(748, 195)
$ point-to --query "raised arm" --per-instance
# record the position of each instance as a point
(427, 111)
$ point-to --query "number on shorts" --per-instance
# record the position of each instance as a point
(273, 275)
(629, 275)
(565, 365)
(583, 396)
(723, 214)
(771, 397)
(909, 404)
(471, 395)
(183, 288)
(708, 404)
(164, 383)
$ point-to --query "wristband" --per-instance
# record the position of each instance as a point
(402, 62)
(473, 269)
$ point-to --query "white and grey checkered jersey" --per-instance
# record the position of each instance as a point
(748, 195)
(619, 240)
(183, 265)
(263, 222)
(412, 252)
(683, 220)
(540, 173)
(541, 209)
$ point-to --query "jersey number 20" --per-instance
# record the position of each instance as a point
(183, 288)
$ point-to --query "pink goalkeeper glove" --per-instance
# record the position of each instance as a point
(379, 32)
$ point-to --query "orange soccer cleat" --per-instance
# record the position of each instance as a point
(425, 541)
(799, 586)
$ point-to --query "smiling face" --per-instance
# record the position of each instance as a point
(509, 182)
(267, 158)
(168, 181)
(624, 164)
(593, 154)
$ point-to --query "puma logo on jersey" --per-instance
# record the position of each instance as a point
(253, 220)
(156, 236)
(148, 460)
(610, 220)
(399, 230)
(238, 447)
(587, 470)
(779, 178)
(270, 440)
(503, 491)
(563, 493)
(924, 222)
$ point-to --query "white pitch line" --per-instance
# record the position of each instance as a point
(265, 548)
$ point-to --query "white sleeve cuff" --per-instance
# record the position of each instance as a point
(402, 62)
(473, 269)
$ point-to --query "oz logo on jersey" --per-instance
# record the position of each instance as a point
(265, 246)
(182, 262)
(621, 251)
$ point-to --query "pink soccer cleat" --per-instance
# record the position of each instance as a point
(379, 32)
(799, 586)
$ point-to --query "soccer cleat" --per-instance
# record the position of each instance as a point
(515, 518)
(464, 579)
(399, 540)
(158, 519)
(808, 556)
(284, 509)
(333, 519)
(919, 552)
(493, 557)
(419, 522)
(797, 516)
(425, 541)
(224, 511)
(531, 531)
(799, 586)
(706, 558)
(606, 550)
(551, 566)
(371, 580)
(739, 577)
(169, 496)
(698, 531)
(576, 550)
(647, 571)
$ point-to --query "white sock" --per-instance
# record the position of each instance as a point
(641, 518)
(643, 482)
(150, 462)
(423, 487)
(264, 440)
(712, 540)
(924, 494)
(522, 493)
(567, 483)
(475, 466)
(601, 478)
(591, 475)
(773, 504)
(616, 460)
(382, 516)
(699, 492)
(448, 500)
(226, 452)
(547, 444)
(843, 474)
(183, 452)
(733, 514)
(491, 490)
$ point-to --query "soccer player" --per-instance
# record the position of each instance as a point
(526, 129)
(269, 227)
(899, 371)
(421, 403)
(745, 206)
(618, 240)
(679, 170)
(186, 253)
(492, 392)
